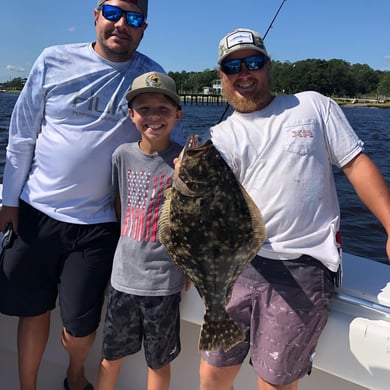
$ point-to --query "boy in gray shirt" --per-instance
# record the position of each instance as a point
(146, 284)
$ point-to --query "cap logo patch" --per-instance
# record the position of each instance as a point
(239, 38)
(153, 81)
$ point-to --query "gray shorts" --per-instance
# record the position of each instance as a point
(282, 306)
(131, 319)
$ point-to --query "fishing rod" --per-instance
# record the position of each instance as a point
(272, 21)
(265, 35)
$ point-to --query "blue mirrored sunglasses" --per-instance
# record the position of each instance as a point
(113, 14)
(252, 63)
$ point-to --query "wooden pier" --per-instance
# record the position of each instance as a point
(202, 99)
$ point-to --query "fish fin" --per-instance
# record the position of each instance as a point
(222, 334)
(168, 194)
(258, 226)
(164, 232)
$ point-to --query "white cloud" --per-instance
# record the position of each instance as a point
(14, 68)
(387, 57)
(72, 29)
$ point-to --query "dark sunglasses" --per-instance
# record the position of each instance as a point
(252, 63)
(113, 14)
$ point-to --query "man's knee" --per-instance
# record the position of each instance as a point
(217, 378)
(70, 342)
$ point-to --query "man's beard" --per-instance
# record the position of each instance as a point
(245, 105)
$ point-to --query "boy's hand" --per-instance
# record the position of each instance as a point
(187, 285)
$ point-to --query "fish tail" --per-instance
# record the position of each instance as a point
(222, 334)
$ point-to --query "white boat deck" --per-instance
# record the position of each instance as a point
(353, 352)
(133, 372)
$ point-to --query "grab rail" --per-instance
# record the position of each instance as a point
(363, 303)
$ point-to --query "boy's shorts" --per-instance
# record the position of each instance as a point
(51, 258)
(131, 319)
(282, 306)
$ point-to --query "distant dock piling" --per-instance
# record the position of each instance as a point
(201, 99)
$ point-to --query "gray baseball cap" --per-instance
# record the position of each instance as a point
(239, 39)
(154, 82)
(141, 4)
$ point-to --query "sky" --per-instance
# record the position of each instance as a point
(183, 35)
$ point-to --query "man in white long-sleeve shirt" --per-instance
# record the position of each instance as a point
(69, 118)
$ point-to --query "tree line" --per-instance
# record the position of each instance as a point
(334, 77)
(15, 84)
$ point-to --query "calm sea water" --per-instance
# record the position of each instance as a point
(362, 233)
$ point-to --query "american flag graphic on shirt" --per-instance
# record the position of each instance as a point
(145, 194)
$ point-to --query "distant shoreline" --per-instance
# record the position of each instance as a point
(369, 105)
(340, 101)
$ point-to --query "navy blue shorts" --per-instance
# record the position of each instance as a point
(51, 258)
(282, 307)
(132, 319)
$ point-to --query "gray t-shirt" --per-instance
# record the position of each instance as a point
(142, 265)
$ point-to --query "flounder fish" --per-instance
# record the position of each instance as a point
(212, 229)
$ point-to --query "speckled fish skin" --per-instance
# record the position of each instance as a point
(212, 230)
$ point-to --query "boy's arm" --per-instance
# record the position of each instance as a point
(117, 206)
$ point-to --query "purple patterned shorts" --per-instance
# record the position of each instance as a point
(282, 306)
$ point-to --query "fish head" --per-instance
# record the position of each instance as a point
(197, 168)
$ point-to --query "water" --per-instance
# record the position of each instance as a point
(363, 235)
(7, 101)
